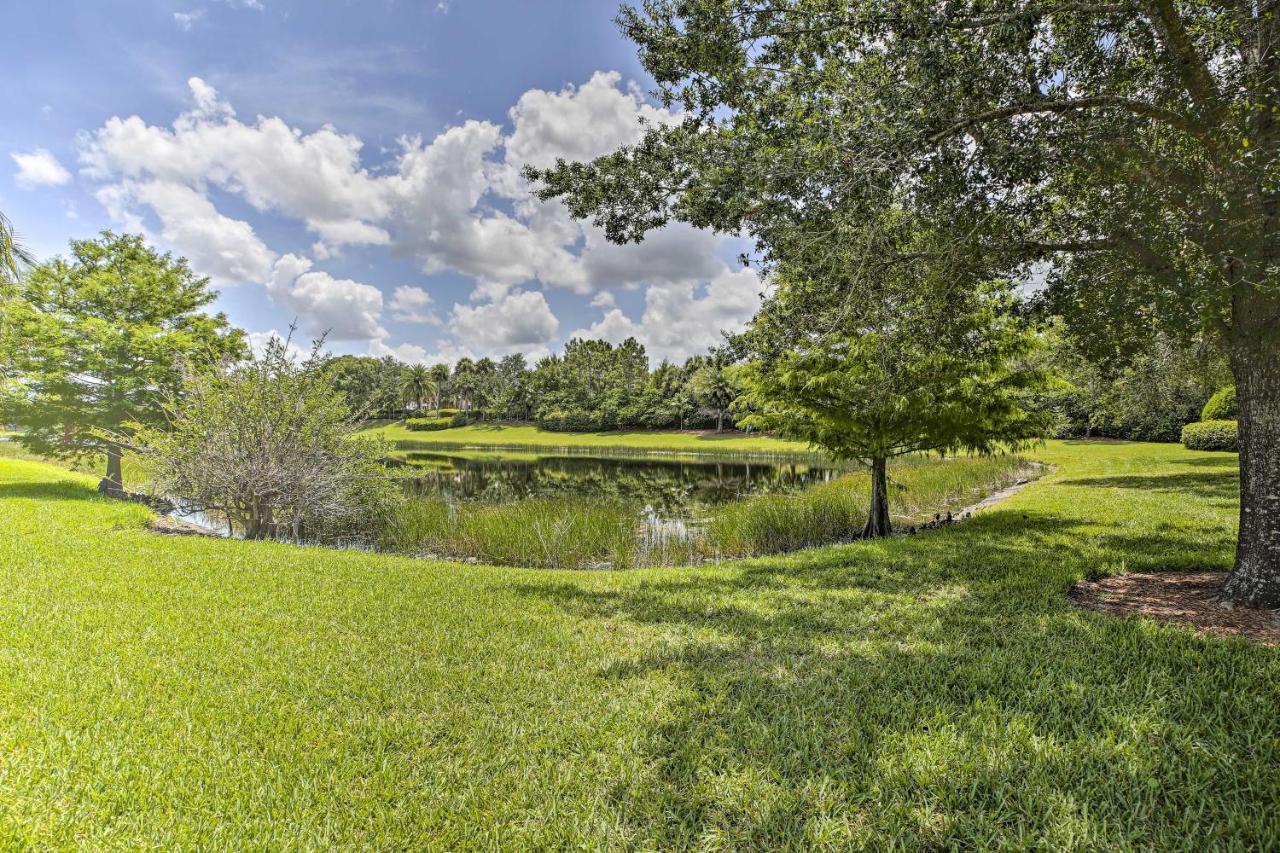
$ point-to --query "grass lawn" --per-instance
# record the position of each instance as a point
(936, 690)
(527, 436)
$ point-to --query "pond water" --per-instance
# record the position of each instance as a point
(671, 486)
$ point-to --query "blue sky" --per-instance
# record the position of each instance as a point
(354, 166)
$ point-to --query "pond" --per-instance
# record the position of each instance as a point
(670, 485)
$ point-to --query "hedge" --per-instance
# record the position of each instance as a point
(1221, 406)
(1211, 435)
(427, 424)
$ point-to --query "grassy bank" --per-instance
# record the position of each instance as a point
(929, 691)
(525, 436)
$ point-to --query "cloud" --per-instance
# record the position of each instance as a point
(413, 305)
(455, 202)
(223, 248)
(579, 122)
(186, 20)
(340, 308)
(39, 168)
(514, 322)
(680, 320)
(316, 178)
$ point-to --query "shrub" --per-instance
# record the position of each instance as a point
(460, 419)
(574, 420)
(427, 424)
(1211, 435)
(1221, 406)
(269, 445)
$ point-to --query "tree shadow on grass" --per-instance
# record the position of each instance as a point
(938, 690)
(1224, 486)
(50, 491)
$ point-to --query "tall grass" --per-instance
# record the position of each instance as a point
(580, 533)
(836, 511)
(541, 532)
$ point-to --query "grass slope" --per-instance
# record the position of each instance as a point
(527, 436)
(926, 691)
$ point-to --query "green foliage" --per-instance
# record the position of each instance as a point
(14, 257)
(1211, 435)
(1221, 406)
(1148, 393)
(100, 341)
(928, 692)
(267, 444)
(373, 387)
(919, 366)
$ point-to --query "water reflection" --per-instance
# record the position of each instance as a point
(667, 486)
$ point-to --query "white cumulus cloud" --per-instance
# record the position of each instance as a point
(340, 308)
(39, 168)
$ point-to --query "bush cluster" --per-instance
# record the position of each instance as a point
(571, 421)
(427, 424)
(1211, 435)
(1221, 406)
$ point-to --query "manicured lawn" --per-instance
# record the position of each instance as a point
(933, 691)
(531, 437)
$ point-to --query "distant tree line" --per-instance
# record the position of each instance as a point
(593, 385)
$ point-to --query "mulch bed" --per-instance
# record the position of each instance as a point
(1188, 598)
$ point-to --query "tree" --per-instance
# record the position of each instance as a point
(418, 384)
(712, 386)
(463, 383)
(99, 342)
(372, 387)
(14, 257)
(929, 364)
(439, 380)
(269, 445)
(1133, 145)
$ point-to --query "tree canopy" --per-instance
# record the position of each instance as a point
(1133, 145)
(99, 340)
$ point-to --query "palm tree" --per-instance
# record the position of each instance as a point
(418, 384)
(439, 376)
(13, 255)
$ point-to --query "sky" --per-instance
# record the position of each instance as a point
(353, 167)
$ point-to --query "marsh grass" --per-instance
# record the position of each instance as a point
(541, 532)
(836, 511)
(582, 533)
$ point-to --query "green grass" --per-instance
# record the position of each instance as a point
(529, 437)
(931, 691)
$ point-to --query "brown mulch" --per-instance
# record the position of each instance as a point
(1188, 598)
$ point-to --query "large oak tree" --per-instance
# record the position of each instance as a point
(1133, 144)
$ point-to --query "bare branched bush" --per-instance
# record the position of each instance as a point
(268, 445)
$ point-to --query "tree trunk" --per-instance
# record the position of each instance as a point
(1255, 362)
(113, 483)
(878, 525)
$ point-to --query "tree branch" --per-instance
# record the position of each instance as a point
(1141, 108)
